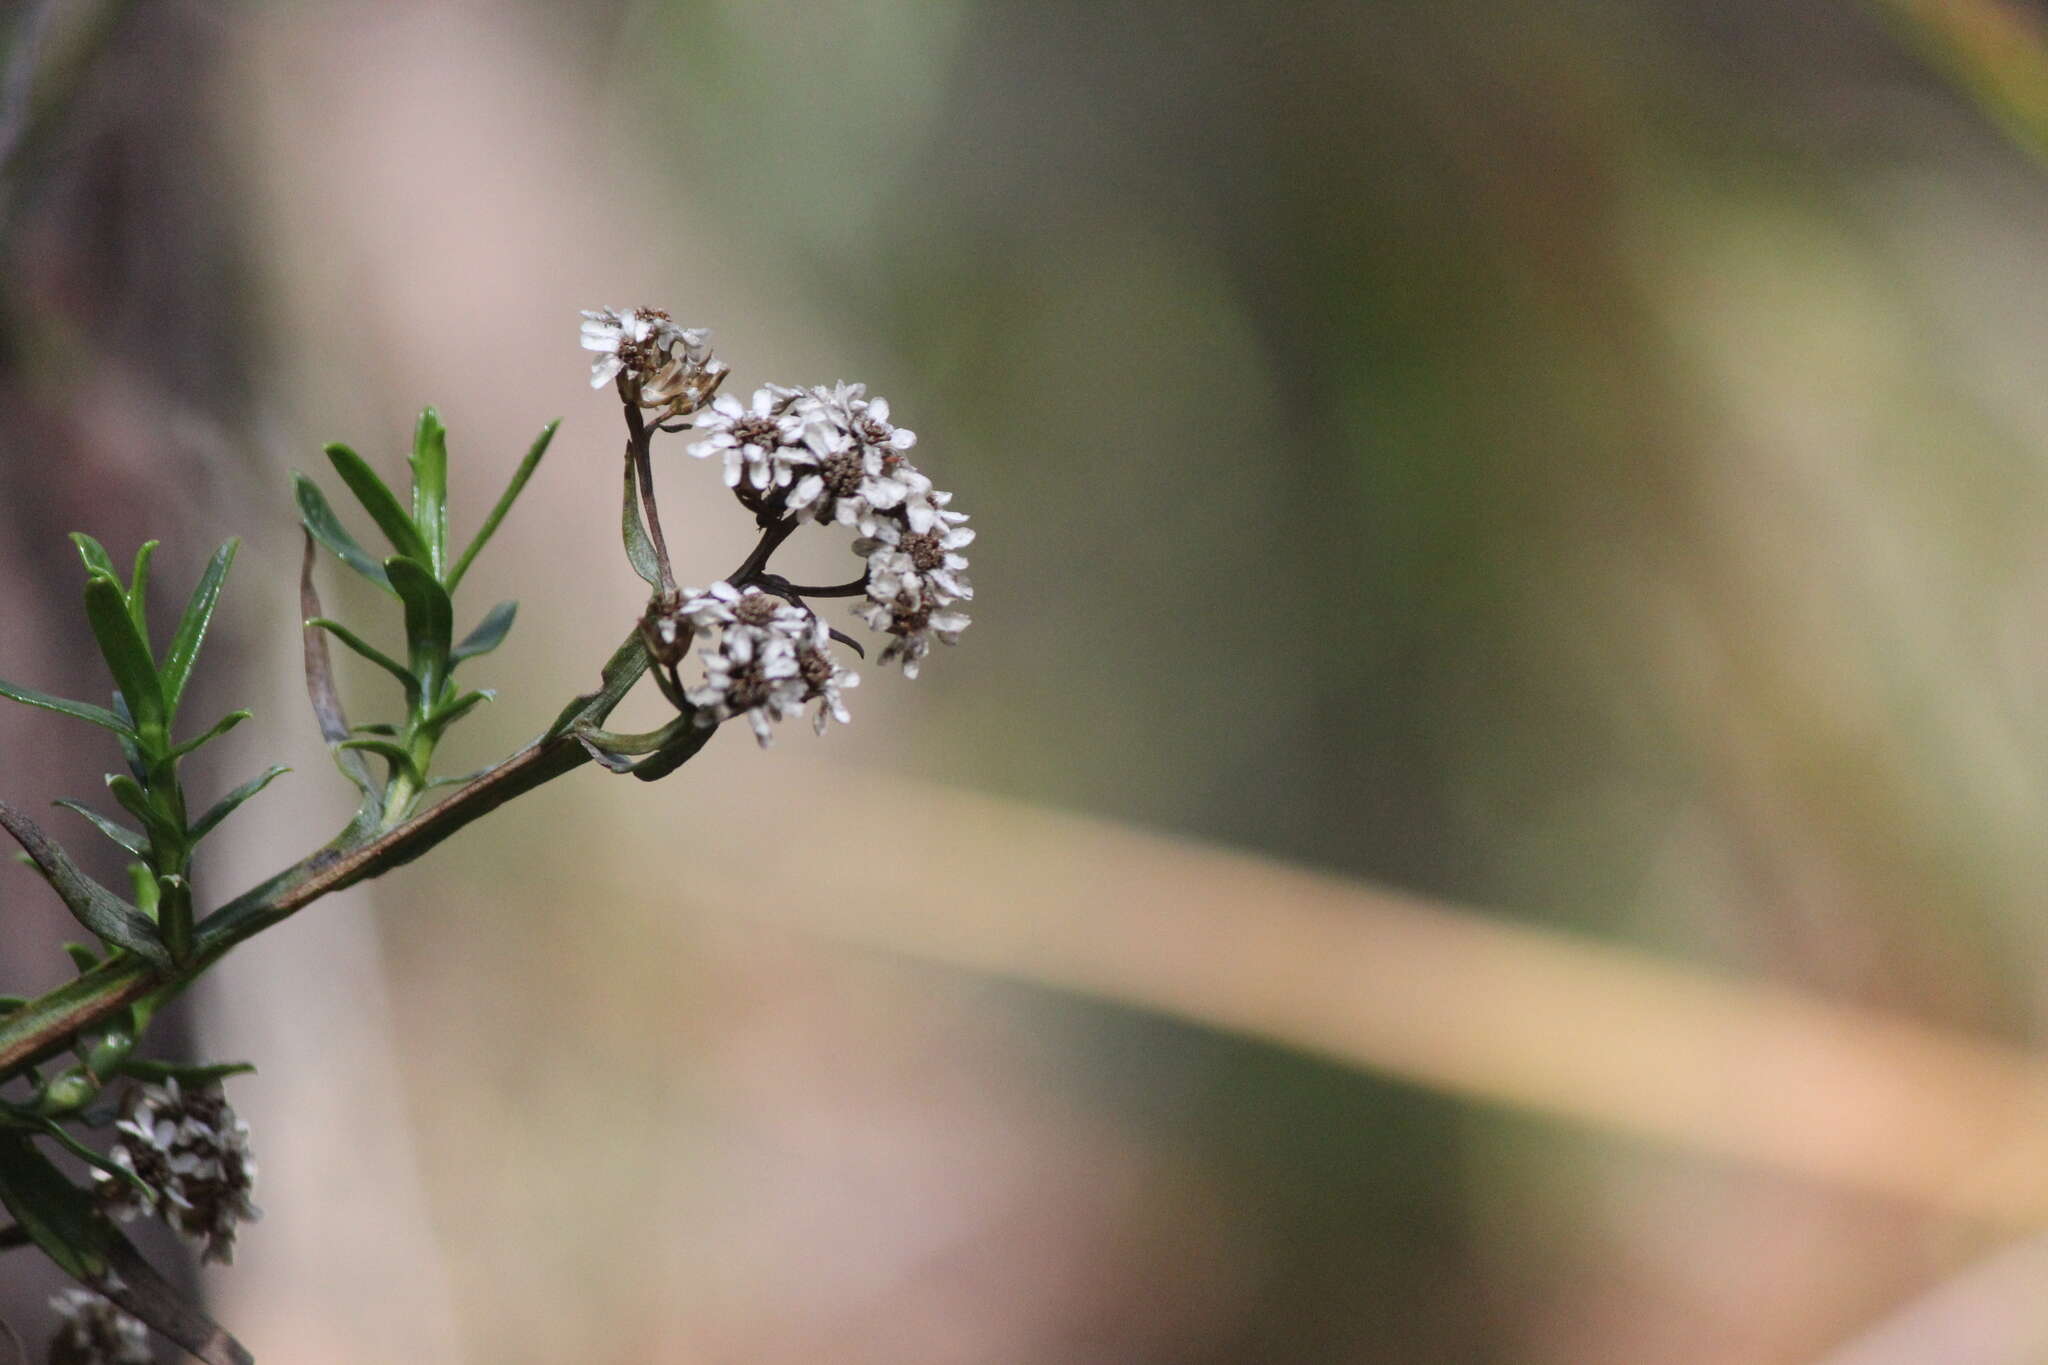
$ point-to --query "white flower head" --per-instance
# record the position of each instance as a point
(848, 408)
(751, 672)
(95, 1332)
(849, 483)
(764, 440)
(915, 619)
(824, 676)
(927, 563)
(193, 1154)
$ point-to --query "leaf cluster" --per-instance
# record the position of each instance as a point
(423, 575)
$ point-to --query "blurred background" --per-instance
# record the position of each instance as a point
(1491, 811)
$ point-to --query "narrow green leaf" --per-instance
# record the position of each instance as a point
(138, 588)
(97, 560)
(98, 715)
(133, 840)
(57, 1216)
(148, 893)
(505, 501)
(401, 760)
(459, 708)
(128, 659)
(136, 802)
(186, 1074)
(227, 805)
(82, 955)
(639, 549)
(320, 522)
(377, 499)
(192, 626)
(489, 634)
(370, 652)
(69, 1226)
(429, 622)
(220, 727)
(374, 727)
(112, 919)
(430, 487)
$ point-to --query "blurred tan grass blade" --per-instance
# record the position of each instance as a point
(1444, 997)
(1995, 51)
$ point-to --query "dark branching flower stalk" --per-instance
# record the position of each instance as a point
(71, 1059)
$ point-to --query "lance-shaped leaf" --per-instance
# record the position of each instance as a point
(429, 621)
(504, 504)
(194, 1076)
(430, 487)
(320, 682)
(459, 708)
(98, 715)
(320, 522)
(227, 805)
(377, 499)
(133, 840)
(128, 659)
(149, 893)
(489, 634)
(401, 761)
(219, 728)
(109, 917)
(184, 651)
(136, 802)
(370, 652)
(67, 1224)
(97, 560)
(138, 588)
(639, 549)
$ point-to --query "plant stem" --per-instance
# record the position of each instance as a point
(46, 1024)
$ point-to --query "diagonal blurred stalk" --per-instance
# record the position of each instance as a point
(1996, 52)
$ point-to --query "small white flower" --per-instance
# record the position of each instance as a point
(193, 1154)
(915, 620)
(752, 672)
(928, 562)
(764, 441)
(848, 408)
(824, 676)
(95, 1332)
(849, 483)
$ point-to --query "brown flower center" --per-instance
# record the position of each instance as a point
(842, 474)
(757, 431)
(923, 549)
(757, 609)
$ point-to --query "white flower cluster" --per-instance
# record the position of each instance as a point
(657, 363)
(832, 455)
(95, 1332)
(768, 658)
(193, 1153)
(829, 455)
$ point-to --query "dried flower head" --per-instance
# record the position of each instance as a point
(192, 1152)
(656, 363)
(95, 1332)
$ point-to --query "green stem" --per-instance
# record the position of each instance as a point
(45, 1025)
